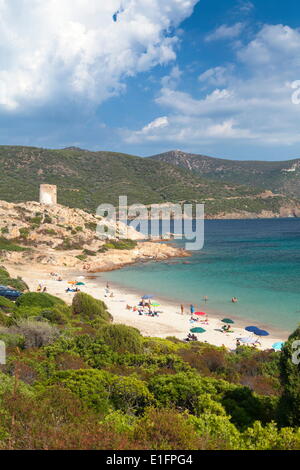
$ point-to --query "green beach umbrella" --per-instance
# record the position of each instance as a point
(80, 284)
(228, 321)
(198, 330)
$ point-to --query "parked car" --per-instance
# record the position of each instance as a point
(10, 294)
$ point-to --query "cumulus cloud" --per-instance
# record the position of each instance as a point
(147, 131)
(81, 49)
(253, 105)
(217, 76)
(225, 32)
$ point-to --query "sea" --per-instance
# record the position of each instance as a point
(257, 261)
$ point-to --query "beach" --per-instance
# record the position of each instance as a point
(169, 323)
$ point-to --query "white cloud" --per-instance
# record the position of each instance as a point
(147, 131)
(225, 32)
(217, 76)
(245, 6)
(252, 105)
(75, 48)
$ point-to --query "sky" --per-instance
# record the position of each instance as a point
(214, 77)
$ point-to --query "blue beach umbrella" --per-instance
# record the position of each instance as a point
(145, 297)
(252, 329)
(278, 346)
(259, 332)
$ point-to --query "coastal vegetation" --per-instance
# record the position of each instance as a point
(75, 380)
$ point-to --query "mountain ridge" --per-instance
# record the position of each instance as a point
(86, 179)
(277, 176)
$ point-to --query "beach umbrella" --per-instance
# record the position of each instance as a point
(145, 297)
(259, 332)
(278, 346)
(252, 329)
(80, 284)
(228, 321)
(248, 340)
(198, 330)
(200, 313)
(155, 305)
(71, 282)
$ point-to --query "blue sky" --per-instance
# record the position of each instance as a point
(210, 76)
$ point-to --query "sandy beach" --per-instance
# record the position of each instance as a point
(169, 323)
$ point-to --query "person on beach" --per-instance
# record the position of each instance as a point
(182, 309)
(192, 309)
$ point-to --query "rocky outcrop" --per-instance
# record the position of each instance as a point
(60, 236)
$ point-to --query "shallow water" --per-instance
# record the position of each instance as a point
(257, 261)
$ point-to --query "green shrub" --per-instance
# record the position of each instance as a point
(6, 280)
(125, 244)
(88, 384)
(123, 338)
(12, 340)
(81, 257)
(93, 351)
(38, 299)
(8, 245)
(6, 306)
(24, 232)
(89, 252)
(91, 226)
(60, 314)
(289, 407)
(89, 308)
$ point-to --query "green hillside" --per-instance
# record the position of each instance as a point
(279, 176)
(86, 179)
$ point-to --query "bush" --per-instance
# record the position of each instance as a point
(92, 350)
(182, 390)
(123, 338)
(36, 334)
(6, 306)
(12, 340)
(289, 407)
(88, 384)
(38, 299)
(6, 280)
(89, 308)
(60, 314)
(125, 244)
(8, 245)
(167, 430)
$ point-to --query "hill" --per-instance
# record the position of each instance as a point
(281, 177)
(87, 179)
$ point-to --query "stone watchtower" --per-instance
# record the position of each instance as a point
(48, 194)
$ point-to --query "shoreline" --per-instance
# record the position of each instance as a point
(169, 323)
(212, 313)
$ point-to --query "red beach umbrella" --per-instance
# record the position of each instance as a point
(200, 313)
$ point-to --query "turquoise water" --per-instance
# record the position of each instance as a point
(257, 261)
